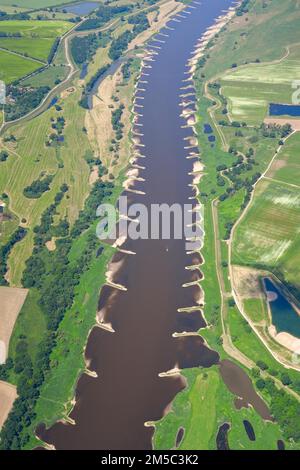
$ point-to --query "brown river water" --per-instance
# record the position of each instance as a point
(112, 409)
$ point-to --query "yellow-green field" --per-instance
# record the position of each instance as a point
(269, 233)
(286, 167)
(30, 157)
(250, 89)
(37, 48)
(13, 67)
(34, 3)
(35, 28)
(37, 38)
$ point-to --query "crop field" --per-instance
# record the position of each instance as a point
(250, 89)
(47, 77)
(36, 42)
(13, 67)
(269, 233)
(30, 158)
(35, 28)
(286, 166)
(205, 405)
(34, 3)
(37, 48)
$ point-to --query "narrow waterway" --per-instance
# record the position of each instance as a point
(111, 410)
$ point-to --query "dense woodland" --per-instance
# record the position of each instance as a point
(83, 48)
(22, 100)
(5, 250)
(38, 187)
(102, 15)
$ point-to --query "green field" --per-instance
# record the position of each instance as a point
(286, 166)
(251, 88)
(37, 48)
(47, 77)
(13, 67)
(35, 28)
(269, 233)
(30, 4)
(248, 38)
(31, 157)
(36, 42)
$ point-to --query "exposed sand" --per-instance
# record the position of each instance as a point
(8, 394)
(51, 245)
(94, 175)
(246, 282)
(98, 120)
(271, 296)
(295, 123)
(11, 302)
(286, 340)
(67, 92)
(165, 11)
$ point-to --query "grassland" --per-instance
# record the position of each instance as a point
(47, 77)
(38, 49)
(13, 67)
(202, 408)
(270, 227)
(36, 40)
(35, 28)
(34, 4)
(31, 158)
(251, 88)
(241, 41)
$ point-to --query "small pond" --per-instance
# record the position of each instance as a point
(81, 8)
(284, 316)
(284, 110)
(249, 430)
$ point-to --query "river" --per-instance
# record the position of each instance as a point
(111, 409)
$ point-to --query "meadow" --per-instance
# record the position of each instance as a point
(36, 48)
(286, 166)
(35, 28)
(36, 40)
(30, 157)
(36, 4)
(251, 88)
(13, 67)
(269, 231)
(47, 77)
(241, 41)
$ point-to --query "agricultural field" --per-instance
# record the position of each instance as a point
(36, 40)
(286, 166)
(250, 89)
(47, 77)
(38, 49)
(30, 158)
(13, 67)
(36, 4)
(269, 233)
(35, 28)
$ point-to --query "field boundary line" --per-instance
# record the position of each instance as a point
(281, 182)
(34, 59)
